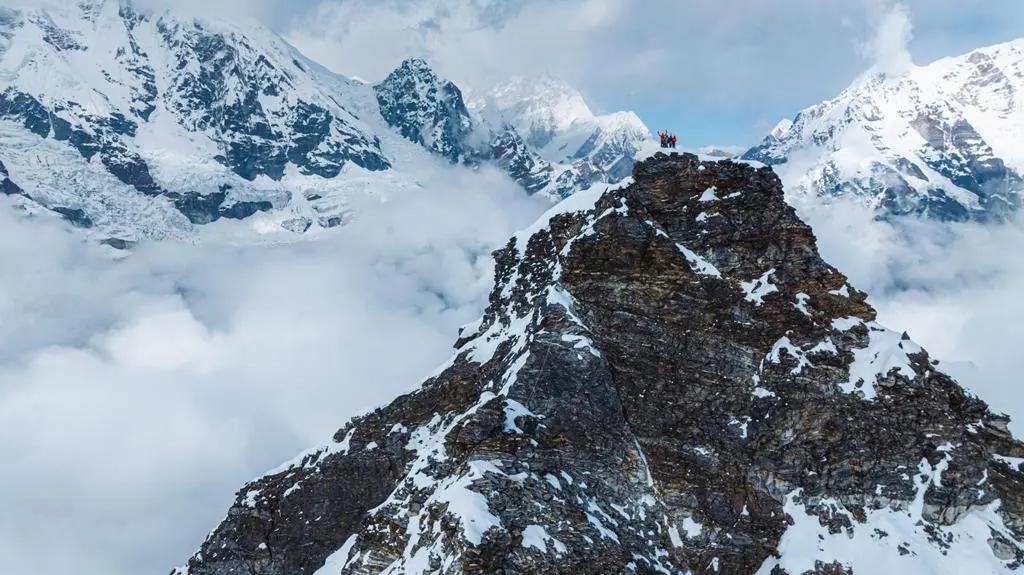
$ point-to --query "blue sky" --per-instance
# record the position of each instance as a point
(715, 71)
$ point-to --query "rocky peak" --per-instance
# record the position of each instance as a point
(427, 109)
(512, 154)
(667, 379)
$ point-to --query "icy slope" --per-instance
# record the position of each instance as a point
(105, 108)
(942, 140)
(668, 379)
(552, 118)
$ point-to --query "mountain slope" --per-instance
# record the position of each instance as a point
(138, 124)
(215, 119)
(668, 379)
(553, 119)
(940, 141)
(541, 132)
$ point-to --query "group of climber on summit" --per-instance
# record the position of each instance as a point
(667, 140)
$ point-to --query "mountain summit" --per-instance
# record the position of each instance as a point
(941, 141)
(668, 379)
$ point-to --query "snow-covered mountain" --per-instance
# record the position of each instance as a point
(150, 126)
(941, 140)
(583, 148)
(138, 124)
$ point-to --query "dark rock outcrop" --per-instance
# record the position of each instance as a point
(427, 109)
(522, 164)
(668, 379)
(8, 187)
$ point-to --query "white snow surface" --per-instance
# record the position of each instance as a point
(554, 118)
(865, 550)
(872, 123)
(102, 79)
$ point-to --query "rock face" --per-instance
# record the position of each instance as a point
(427, 109)
(939, 141)
(668, 379)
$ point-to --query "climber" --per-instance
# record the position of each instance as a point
(672, 141)
(663, 137)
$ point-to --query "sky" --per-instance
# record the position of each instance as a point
(136, 396)
(714, 71)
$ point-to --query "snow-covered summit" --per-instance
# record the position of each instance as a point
(426, 109)
(940, 140)
(539, 107)
(539, 131)
(554, 118)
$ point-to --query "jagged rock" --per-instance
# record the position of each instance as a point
(522, 164)
(8, 187)
(667, 379)
(426, 109)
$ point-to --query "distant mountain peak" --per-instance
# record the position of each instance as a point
(427, 109)
(939, 141)
(164, 124)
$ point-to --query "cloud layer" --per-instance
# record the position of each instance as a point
(955, 288)
(137, 396)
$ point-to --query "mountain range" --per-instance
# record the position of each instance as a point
(137, 124)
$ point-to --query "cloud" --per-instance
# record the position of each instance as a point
(954, 287)
(888, 50)
(715, 66)
(137, 395)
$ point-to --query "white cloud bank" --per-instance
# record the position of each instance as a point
(136, 397)
(957, 289)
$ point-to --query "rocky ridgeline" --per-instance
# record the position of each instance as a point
(668, 379)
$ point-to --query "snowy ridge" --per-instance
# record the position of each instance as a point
(191, 121)
(938, 141)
